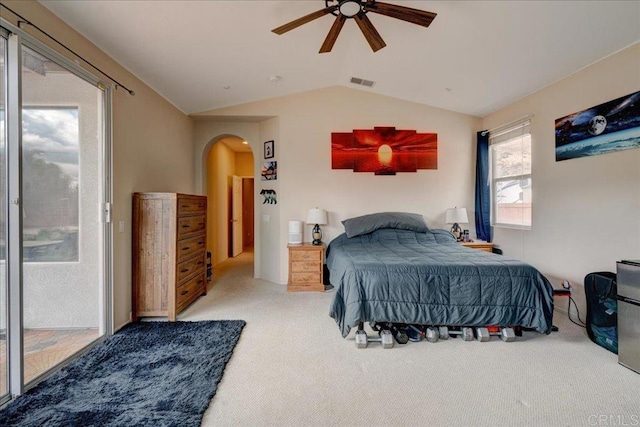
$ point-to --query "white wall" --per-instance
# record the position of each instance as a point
(586, 211)
(302, 133)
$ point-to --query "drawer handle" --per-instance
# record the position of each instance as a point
(184, 270)
(200, 263)
(185, 226)
(184, 292)
(186, 248)
(200, 281)
(201, 224)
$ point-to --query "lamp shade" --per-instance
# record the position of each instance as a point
(317, 216)
(457, 215)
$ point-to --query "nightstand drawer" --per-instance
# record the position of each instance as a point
(305, 255)
(305, 266)
(300, 278)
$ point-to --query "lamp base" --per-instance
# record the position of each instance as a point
(456, 231)
(317, 235)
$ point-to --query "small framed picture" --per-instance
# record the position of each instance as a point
(269, 150)
(269, 171)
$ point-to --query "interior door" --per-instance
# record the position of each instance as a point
(247, 213)
(236, 216)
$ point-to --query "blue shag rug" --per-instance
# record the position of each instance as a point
(146, 374)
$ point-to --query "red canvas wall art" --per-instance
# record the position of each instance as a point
(384, 150)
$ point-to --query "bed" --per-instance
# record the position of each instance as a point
(386, 268)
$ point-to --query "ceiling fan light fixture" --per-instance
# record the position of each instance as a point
(358, 10)
(350, 8)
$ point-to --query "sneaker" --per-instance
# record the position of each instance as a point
(415, 333)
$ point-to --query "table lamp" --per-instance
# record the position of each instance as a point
(318, 217)
(455, 216)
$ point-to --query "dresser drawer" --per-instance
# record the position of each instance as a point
(191, 205)
(189, 247)
(189, 291)
(302, 278)
(191, 224)
(305, 266)
(189, 267)
(302, 255)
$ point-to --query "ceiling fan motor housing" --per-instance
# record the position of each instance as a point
(350, 8)
(347, 8)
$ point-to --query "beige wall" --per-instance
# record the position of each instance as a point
(207, 134)
(302, 134)
(244, 164)
(220, 167)
(222, 163)
(586, 211)
(152, 142)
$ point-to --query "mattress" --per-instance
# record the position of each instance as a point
(427, 278)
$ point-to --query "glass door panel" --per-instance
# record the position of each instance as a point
(61, 228)
(4, 350)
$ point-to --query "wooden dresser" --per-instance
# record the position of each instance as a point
(305, 267)
(169, 253)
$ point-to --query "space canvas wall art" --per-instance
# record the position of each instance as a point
(384, 150)
(605, 128)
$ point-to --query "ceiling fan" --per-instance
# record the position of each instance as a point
(358, 9)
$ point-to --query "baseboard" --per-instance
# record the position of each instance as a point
(117, 328)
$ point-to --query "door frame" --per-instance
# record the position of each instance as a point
(13, 238)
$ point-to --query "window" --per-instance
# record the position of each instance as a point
(510, 172)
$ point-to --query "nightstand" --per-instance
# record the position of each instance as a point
(305, 267)
(483, 246)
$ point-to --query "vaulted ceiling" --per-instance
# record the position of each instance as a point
(475, 58)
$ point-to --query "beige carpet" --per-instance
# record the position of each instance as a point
(292, 368)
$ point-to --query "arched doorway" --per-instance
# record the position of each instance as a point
(229, 186)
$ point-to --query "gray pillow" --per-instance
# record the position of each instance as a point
(368, 223)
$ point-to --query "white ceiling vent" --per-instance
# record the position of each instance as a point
(362, 82)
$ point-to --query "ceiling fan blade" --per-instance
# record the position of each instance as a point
(415, 16)
(301, 21)
(333, 34)
(370, 32)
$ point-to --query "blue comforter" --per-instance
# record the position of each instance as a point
(403, 276)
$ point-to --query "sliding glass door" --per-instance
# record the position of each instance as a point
(4, 348)
(54, 203)
(61, 229)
